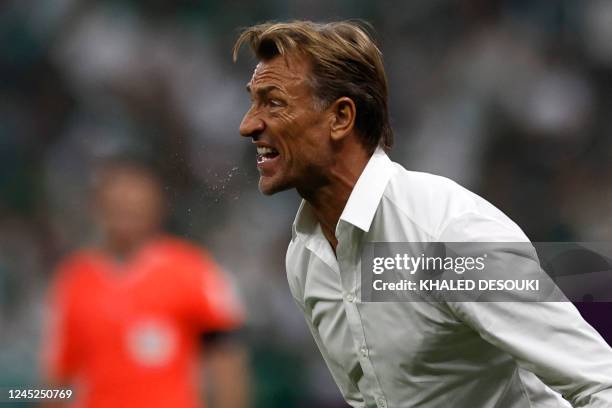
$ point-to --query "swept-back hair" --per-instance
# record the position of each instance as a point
(344, 61)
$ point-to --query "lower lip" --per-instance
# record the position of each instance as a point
(266, 165)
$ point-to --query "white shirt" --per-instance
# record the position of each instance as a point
(426, 354)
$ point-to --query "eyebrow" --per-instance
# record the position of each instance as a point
(264, 90)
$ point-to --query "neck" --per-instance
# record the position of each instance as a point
(328, 200)
(123, 249)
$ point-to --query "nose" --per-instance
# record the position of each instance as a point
(251, 125)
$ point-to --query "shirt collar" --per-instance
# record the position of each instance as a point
(367, 193)
(363, 201)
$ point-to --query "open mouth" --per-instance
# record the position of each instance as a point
(265, 154)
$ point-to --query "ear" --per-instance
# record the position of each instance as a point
(343, 118)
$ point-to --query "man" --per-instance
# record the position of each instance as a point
(319, 121)
(129, 316)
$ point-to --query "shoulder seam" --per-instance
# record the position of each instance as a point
(400, 209)
(470, 212)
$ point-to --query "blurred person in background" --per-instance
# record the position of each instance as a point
(129, 317)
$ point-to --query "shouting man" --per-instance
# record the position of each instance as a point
(319, 121)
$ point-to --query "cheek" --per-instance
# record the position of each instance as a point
(290, 135)
(302, 135)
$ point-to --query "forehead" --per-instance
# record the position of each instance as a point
(281, 71)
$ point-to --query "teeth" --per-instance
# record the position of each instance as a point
(265, 150)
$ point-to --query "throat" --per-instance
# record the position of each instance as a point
(331, 238)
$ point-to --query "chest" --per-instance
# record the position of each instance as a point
(110, 301)
(406, 342)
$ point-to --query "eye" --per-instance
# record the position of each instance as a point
(275, 103)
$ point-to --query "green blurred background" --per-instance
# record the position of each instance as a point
(511, 98)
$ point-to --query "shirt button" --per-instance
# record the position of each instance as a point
(381, 402)
(364, 351)
(350, 298)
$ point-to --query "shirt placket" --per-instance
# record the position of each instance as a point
(349, 263)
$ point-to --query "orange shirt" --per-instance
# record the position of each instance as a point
(127, 334)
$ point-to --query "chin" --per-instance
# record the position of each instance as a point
(270, 187)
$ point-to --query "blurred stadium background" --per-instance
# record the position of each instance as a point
(511, 98)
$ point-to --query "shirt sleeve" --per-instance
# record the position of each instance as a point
(60, 349)
(549, 339)
(213, 301)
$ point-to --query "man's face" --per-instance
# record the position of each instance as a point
(129, 209)
(290, 132)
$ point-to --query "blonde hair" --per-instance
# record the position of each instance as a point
(345, 62)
